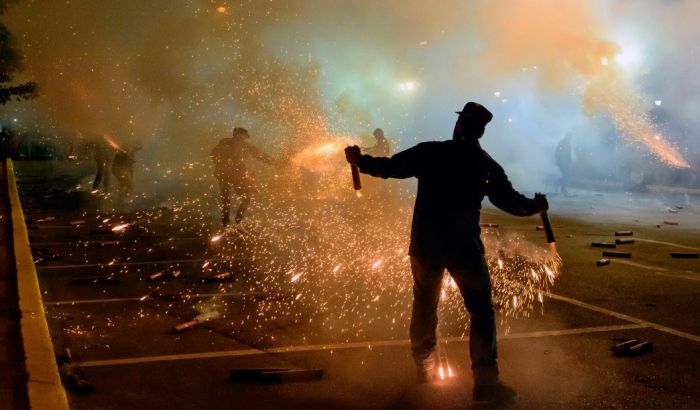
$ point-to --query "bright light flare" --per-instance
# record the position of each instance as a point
(217, 238)
(319, 157)
(112, 143)
(221, 10)
(407, 87)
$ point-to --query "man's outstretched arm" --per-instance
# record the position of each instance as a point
(405, 164)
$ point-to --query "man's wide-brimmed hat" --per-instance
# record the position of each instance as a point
(476, 114)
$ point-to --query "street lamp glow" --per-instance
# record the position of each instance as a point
(407, 86)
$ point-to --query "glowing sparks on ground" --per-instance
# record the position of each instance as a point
(120, 227)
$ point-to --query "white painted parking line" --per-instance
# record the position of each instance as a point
(120, 241)
(639, 265)
(677, 245)
(687, 275)
(136, 263)
(628, 318)
(339, 346)
(147, 297)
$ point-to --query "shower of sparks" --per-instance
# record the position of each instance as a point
(321, 259)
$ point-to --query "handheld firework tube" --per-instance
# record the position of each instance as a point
(356, 183)
(545, 221)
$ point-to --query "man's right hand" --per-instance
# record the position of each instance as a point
(353, 154)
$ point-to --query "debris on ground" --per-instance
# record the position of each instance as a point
(617, 254)
(685, 255)
(671, 223)
(220, 278)
(631, 347)
(623, 233)
(184, 326)
(603, 245)
(624, 241)
(602, 262)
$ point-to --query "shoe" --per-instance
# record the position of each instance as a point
(497, 392)
(426, 370)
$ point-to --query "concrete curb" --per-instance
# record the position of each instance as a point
(44, 386)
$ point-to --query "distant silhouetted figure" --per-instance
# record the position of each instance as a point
(103, 157)
(453, 178)
(123, 171)
(229, 157)
(382, 148)
(563, 159)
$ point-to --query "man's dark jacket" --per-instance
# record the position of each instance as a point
(453, 178)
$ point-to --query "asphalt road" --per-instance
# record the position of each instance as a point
(557, 357)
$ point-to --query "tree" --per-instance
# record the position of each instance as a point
(10, 64)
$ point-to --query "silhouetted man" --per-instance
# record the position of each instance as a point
(229, 157)
(103, 158)
(123, 171)
(563, 159)
(453, 178)
(382, 147)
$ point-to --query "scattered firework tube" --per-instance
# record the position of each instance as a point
(155, 276)
(620, 348)
(291, 375)
(539, 228)
(252, 374)
(545, 220)
(547, 227)
(617, 254)
(222, 277)
(356, 183)
(670, 223)
(602, 262)
(685, 255)
(624, 241)
(487, 225)
(603, 245)
(184, 326)
(623, 233)
(108, 243)
(641, 348)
